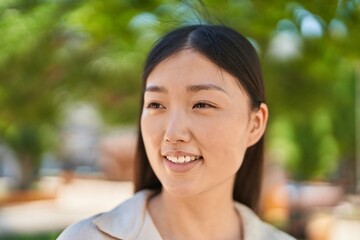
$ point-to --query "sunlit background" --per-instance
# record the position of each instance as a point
(69, 100)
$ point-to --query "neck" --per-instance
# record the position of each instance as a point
(207, 215)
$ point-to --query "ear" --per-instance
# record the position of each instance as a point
(257, 124)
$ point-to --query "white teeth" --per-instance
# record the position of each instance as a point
(182, 159)
(173, 159)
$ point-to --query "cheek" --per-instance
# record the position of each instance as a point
(228, 142)
(225, 140)
(228, 129)
(150, 133)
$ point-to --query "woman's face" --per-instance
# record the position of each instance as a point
(196, 124)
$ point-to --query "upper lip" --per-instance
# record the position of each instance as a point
(179, 154)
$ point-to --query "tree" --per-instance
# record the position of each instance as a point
(53, 53)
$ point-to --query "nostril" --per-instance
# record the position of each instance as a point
(168, 140)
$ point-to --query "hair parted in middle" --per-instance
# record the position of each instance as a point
(233, 53)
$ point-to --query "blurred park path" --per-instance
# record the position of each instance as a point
(76, 200)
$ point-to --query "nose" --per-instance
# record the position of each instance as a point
(177, 129)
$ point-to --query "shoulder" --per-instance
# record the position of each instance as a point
(272, 233)
(84, 229)
(256, 229)
(123, 222)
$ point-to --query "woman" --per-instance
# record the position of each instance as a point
(199, 164)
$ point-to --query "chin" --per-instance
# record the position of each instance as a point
(180, 191)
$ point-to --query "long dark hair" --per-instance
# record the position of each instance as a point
(233, 53)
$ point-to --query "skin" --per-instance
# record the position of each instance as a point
(192, 107)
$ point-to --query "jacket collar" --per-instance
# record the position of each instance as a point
(252, 225)
(127, 220)
(130, 220)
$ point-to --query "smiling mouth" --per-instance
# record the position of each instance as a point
(183, 159)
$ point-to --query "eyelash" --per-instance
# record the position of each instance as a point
(154, 105)
(204, 105)
(201, 105)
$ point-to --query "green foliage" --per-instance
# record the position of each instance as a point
(38, 236)
(56, 52)
(315, 92)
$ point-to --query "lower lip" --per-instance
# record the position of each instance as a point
(181, 167)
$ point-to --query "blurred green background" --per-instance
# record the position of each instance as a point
(54, 53)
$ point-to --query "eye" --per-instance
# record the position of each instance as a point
(203, 105)
(154, 105)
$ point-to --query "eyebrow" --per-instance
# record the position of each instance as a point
(201, 87)
(191, 88)
(154, 88)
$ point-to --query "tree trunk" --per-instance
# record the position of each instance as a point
(27, 172)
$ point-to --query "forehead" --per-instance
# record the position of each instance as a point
(189, 67)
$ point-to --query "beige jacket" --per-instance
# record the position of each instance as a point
(131, 220)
